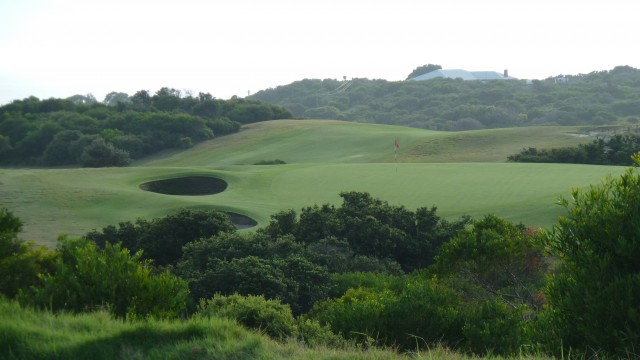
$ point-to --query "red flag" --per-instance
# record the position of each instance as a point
(396, 144)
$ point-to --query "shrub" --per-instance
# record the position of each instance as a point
(21, 263)
(255, 312)
(270, 162)
(102, 154)
(595, 295)
(495, 328)
(87, 278)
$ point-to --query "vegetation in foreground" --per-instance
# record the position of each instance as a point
(356, 275)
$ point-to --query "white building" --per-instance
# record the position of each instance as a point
(464, 75)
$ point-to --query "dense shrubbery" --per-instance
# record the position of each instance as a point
(598, 98)
(21, 263)
(81, 131)
(616, 150)
(86, 278)
(595, 295)
(162, 239)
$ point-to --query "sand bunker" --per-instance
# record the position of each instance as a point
(241, 221)
(188, 185)
(194, 186)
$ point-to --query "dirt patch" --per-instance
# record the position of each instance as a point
(188, 185)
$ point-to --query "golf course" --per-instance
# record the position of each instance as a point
(461, 173)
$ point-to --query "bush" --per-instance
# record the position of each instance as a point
(270, 162)
(254, 312)
(102, 154)
(21, 263)
(494, 328)
(595, 295)
(87, 279)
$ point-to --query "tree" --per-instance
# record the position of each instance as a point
(424, 69)
(58, 151)
(595, 294)
(114, 98)
(5, 144)
(83, 99)
(163, 239)
(102, 154)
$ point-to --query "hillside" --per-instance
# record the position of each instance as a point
(597, 98)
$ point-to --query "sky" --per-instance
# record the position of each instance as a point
(60, 48)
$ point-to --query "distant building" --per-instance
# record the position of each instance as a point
(464, 75)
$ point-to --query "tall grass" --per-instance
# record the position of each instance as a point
(27, 334)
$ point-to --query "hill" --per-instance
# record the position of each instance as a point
(322, 159)
(597, 98)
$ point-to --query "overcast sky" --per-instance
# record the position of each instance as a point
(60, 48)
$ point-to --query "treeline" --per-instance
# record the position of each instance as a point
(365, 272)
(598, 98)
(615, 150)
(82, 131)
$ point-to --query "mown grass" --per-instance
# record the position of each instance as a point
(328, 141)
(323, 158)
(33, 335)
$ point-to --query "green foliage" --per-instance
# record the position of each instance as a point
(102, 154)
(371, 229)
(416, 307)
(29, 334)
(21, 263)
(87, 279)
(423, 70)
(595, 294)
(54, 131)
(254, 312)
(493, 327)
(616, 150)
(162, 239)
(503, 259)
(597, 98)
(253, 265)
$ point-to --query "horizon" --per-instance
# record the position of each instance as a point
(72, 47)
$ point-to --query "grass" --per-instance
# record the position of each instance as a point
(329, 141)
(323, 158)
(27, 334)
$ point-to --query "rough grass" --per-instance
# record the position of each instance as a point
(33, 335)
(322, 159)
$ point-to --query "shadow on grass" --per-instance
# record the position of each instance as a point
(190, 341)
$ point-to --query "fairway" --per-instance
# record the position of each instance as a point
(323, 159)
